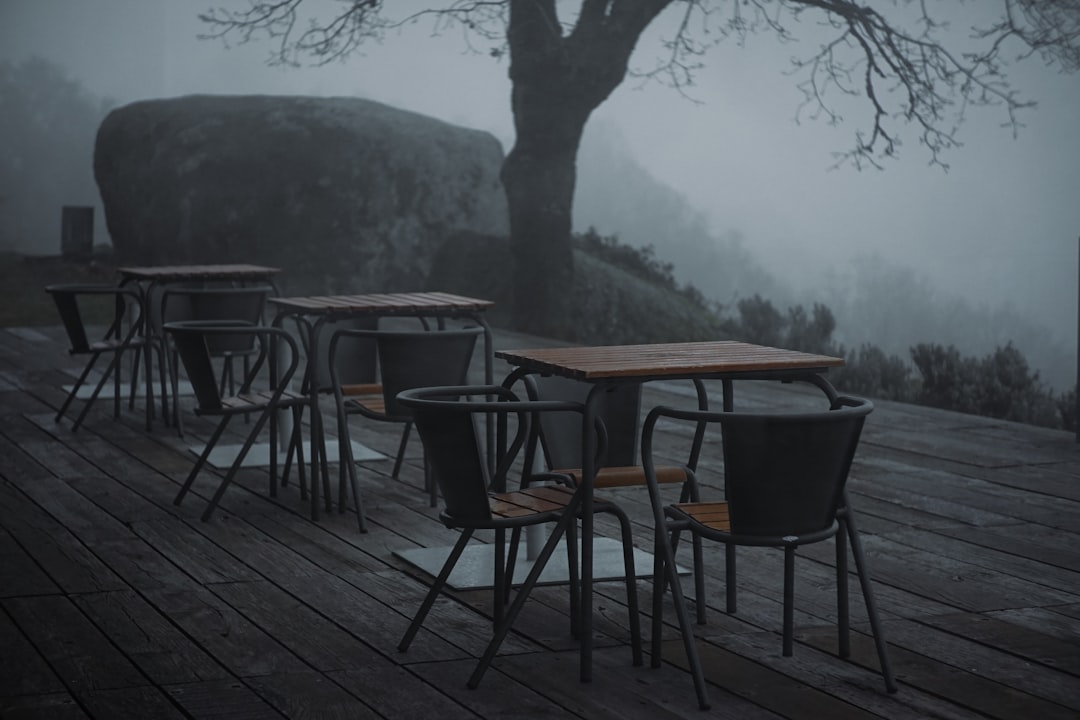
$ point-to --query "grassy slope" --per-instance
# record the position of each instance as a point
(22, 286)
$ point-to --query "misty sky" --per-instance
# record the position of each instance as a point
(1001, 227)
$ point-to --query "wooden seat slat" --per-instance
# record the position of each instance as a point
(628, 475)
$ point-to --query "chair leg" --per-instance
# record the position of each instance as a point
(430, 484)
(218, 431)
(575, 579)
(116, 382)
(113, 369)
(149, 361)
(235, 467)
(699, 570)
(668, 575)
(699, 577)
(631, 584)
(511, 562)
(659, 588)
(174, 372)
(503, 627)
(324, 468)
(501, 583)
(868, 598)
(355, 485)
(729, 577)
(401, 450)
(274, 447)
(295, 449)
(843, 616)
(225, 382)
(346, 466)
(296, 443)
(163, 379)
(436, 588)
(75, 388)
(789, 598)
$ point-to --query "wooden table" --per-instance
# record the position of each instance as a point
(149, 277)
(326, 308)
(607, 365)
(190, 273)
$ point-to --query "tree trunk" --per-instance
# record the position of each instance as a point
(539, 176)
(558, 80)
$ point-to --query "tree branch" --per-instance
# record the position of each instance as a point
(908, 75)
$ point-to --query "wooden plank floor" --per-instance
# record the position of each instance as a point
(114, 603)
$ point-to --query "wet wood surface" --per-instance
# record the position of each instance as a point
(115, 603)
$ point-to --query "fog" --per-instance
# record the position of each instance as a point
(997, 231)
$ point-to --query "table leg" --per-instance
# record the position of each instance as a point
(588, 474)
(318, 446)
(283, 420)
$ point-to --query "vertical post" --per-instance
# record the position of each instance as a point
(76, 233)
(1077, 388)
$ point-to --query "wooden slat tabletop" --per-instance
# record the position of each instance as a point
(174, 273)
(382, 304)
(666, 359)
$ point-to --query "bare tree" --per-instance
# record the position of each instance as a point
(567, 57)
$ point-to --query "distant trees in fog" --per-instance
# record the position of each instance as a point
(999, 385)
(47, 128)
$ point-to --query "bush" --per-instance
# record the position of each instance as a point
(872, 373)
(1000, 385)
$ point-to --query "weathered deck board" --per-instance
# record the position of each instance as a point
(116, 603)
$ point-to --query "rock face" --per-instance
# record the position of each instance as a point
(344, 194)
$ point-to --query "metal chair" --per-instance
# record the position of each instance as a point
(784, 485)
(242, 305)
(449, 421)
(406, 360)
(260, 393)
(127, 309)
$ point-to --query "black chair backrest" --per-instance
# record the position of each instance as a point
(785, 474)
(449, 421)
(243, 305)
(192, 340)
(454, 452)
(66, 297)
(354, 357)
(618, 408)
(422, 358)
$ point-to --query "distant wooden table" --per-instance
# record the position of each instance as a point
(326, 308)
(608, 365)
(149, 277)
(189, 273)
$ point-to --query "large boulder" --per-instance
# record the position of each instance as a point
(344, 194)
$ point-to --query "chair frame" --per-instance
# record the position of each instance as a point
(116, 341)
(190, 341)
(393, 410)
(450, 400)
(616, 425)
(673, 519)
(227, 376)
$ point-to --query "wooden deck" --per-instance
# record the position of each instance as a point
(117, 604)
